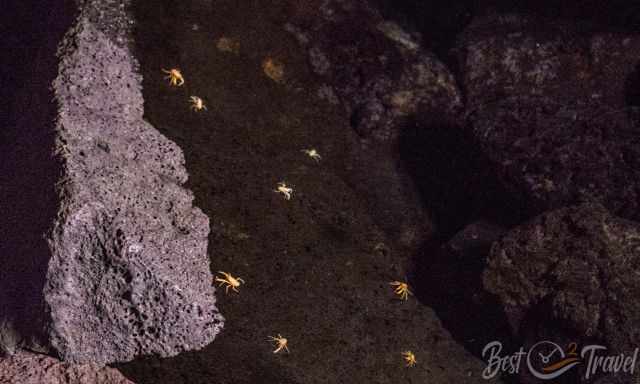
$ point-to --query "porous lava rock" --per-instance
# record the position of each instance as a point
(555, 109)
(570, 275)
(373, 67)
(127, 270)
(30, 368)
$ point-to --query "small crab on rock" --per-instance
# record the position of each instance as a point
(175, 77)
(229, 281)
(410, 358)
(286, 191)
(281, 343)
(197, 104)
(402, 289)
(312, 153)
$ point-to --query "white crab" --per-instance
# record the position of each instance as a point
(281, 343)
(286, 191)
(197, 104)
(312, 153)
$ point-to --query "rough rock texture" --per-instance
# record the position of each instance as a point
(378, 73)
(128, 272)
(376, 69)
(29, 368)
(555, 108)
(571, 275)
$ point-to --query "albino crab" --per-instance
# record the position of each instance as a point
(286, 191)
(197, 104)
(175, 76)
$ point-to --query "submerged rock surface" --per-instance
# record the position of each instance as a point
(378, 71)
(317, 267)
(384, 82)
(555, 109)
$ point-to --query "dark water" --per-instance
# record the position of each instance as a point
(292, 254)
(311, 267)
(310, 264)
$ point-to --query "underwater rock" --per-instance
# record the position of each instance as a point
(570, 275)
(456, 270)
(449, 279)
(30, 368)
(127, 272)
(378, 73)
(555, 109)
(377, 70)
(474, 239)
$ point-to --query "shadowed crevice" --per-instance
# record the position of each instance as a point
(457, 186)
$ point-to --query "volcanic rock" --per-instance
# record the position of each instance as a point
(555, 109)
(127, 270)
(30, 368)
(570, 275)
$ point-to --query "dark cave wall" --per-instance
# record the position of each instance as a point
(28, 170)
